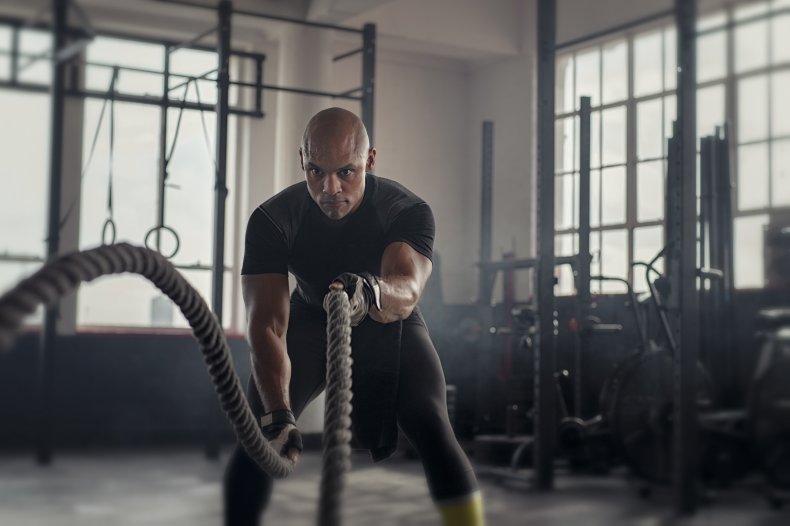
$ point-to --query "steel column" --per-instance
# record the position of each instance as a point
(369, 77)
(686, 425)
(545, 392)
(163, 148)
(486, 212)
(49, 330)
(224, 11)
(583, 270)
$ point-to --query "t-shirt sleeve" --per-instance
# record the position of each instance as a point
(415, 227)
(265, 246)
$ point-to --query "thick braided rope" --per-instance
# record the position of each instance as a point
(64, 274)
(337, 425)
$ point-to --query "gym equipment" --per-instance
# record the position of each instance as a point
(65, 273)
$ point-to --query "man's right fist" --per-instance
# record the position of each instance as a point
(279, 428)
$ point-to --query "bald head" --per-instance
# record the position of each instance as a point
(335, 128)
(335, 156)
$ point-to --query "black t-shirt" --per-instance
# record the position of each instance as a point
(289, 232)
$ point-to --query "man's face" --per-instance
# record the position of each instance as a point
(335, 173)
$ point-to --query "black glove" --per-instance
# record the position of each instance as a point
(279, 428)
(363, 292)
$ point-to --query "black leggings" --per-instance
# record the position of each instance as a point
(421, 412)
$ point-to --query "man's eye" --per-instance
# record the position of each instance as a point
(346, 172)
(315, 171)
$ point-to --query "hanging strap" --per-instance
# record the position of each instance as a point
(109, 224)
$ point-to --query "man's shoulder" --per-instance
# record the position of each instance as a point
(393, 198)
(285, 204)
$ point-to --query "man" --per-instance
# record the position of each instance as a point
(343, 227)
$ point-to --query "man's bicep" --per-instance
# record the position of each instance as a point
(400, 259)
(266, 297)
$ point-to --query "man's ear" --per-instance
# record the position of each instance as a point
(371, 162)
(301, 159)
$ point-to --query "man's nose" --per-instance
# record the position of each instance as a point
(331, 184)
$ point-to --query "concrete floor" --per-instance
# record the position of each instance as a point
(183, 488)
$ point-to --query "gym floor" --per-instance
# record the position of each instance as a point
(183, 488)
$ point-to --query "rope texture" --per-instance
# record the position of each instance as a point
(337, 426)
(65, 273)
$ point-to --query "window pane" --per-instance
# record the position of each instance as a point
(97, 301)
(753, 176)
(565, 245)
(566, 201)
(564, 148)
(613, 131)
(780, 39)
(613, 196)
(588, 76)
(650, 191)
(753, 109)
(5, 46)
(751, 49)
(710, 109)
(614, 258)
(595, 264)
(135, 173)
(780, 103)
(670, 58)
(780, 166)
(670, 115)
(595, 198)
(565, 84)
(648, 67)
(648, 241)
(649, 138)
(595, 139)
(190, 199)
(713, 20)
(122, 52)
(24, 151)
(615, 72)
(36, 69)
(711, 56)
(748, 251)
(750, 10)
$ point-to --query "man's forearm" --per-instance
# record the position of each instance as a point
(271, 369)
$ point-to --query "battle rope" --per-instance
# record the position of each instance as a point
(64, 274)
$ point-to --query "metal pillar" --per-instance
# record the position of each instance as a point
(686, 425)
(225, 11)
(583, 269)
(49, 332)
(486, 212)
(163, 148)
(368, 77)
(545, 392)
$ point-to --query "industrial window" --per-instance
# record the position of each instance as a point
(24, 169)
(743, 79)
(189, 192)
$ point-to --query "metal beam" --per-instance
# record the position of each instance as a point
(584, 300)
(369, 78)
(616, 29)
(486, 212)
(686, 424)
(49, 330)
(545, 360)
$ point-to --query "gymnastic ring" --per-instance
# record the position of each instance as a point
(108, 225)
(156, 249)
